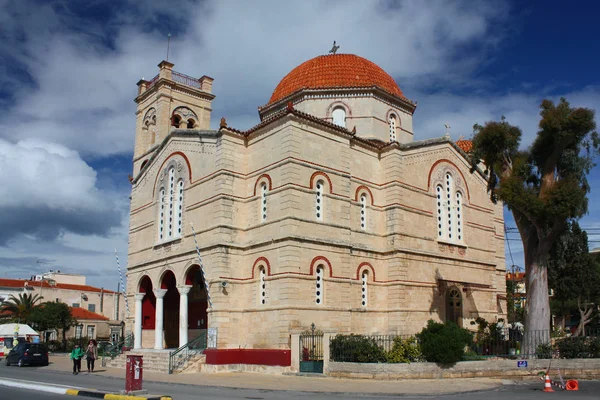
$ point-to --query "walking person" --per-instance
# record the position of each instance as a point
(76, 355)
(91, 354)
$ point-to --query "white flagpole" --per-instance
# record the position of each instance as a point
(122, 285)
(201, 267)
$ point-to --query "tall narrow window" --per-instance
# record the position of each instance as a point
(263, 202)
(364, 289)
(459, 216)
(319, 286)
(319, 201)
(440, 211)
(161, 215)
(263, 288)
(170, 202)
(449, 210)
(179, 208)
(190, 123)
(363, 212)
(339, 117)
(392, 124)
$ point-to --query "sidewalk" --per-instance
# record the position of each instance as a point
(300, 383)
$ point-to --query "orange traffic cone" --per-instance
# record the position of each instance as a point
(547, 384)
(572, 384)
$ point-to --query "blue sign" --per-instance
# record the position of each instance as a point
(522, 364)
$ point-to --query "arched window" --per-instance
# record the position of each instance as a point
(262, 288)
(454, 306)
(161, 214)
(392, 124)
(263, 202)
(449, 210)
(440, 214)
(179, 209)
(170, 202)
(363, 212)
(339, 116)
(365, 296)
(190, 124)
(319, 286)
(175, 121)
(319, 201)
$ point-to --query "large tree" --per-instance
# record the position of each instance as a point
(574, 276)
(544, 186)
(21, 307)
(53, 315)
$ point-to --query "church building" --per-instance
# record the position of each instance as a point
(330, 211)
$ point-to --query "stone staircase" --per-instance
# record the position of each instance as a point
(158, 361)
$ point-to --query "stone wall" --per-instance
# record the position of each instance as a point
(570, 369)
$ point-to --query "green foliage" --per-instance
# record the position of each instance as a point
(594, 347)
(356, 348)
(20, 308)
(404, 351)
(544, 351)
(444, 343)
(55, 346)
(573, 347)
(53, 315)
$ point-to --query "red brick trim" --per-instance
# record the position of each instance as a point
(315, 174)
(266, 177)
(397, 114)
(360, 268)
(455, 167)
(258, 262)
(366, 189)
(316, 261)
(177, 153)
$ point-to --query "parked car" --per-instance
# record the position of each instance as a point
(28, 354)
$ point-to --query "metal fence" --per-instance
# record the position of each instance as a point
(513, 343)
(494, 343)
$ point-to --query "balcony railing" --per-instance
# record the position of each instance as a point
(179, 78)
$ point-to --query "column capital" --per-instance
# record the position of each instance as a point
(139, 296)
(159, 293)
(184, 289)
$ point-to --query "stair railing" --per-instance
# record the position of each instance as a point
(111, 350)
(178, 358)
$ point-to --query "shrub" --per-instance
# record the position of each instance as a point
(544, 351)
(404, 351)
(573, 347)
(444, 343)
(55, 346)
(594, 347)
(356, 348)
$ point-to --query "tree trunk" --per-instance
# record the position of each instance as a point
(537, 312)
(585, 315)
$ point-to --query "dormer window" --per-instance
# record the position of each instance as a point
(339, 117)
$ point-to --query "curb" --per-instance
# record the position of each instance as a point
(112, 396)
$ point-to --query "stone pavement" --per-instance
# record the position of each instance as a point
(298, 383)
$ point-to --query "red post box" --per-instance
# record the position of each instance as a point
(133, 373)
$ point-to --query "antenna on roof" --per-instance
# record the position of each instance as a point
(168, 45)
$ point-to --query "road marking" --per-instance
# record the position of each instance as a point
(34, 386)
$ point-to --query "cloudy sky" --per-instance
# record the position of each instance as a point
(68, 70)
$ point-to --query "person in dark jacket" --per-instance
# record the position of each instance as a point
(91, 354)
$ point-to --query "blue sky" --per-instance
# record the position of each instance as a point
(68, 70)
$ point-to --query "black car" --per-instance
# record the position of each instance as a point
(28, 354)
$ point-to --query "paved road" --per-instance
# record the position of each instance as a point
(589, 390)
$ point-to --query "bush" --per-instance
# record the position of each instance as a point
(573, 347)
(55, 346)
(594, 347)
(444, 343)
(356, 348)
(544, 351)
(404, 351)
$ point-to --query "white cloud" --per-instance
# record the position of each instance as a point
(47, 189)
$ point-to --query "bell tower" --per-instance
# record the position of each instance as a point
(169, 101)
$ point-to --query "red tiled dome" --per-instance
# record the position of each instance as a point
(335, 70)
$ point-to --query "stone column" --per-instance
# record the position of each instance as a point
(137, 331)
(183, 313)
(158, 329)
(295, 350)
